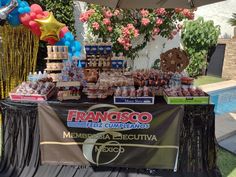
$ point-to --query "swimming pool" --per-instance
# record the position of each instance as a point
(224, 100)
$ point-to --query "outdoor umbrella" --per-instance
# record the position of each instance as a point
(138, 4)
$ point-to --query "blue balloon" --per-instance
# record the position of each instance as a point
(60, 43)
(4, 2)
(27, 9)
(77, 46)
(70, 55)
(77, 54)
(13, 20)
(67, 43)
(23, 7)
(15, 12)
(69, 36)
(21, 10)
(24, 4)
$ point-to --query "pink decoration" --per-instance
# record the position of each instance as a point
(159, 21)
(63, 31)
(36, 8)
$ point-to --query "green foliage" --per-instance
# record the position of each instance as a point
(120, 19)
(232, 21)
(198, 37)
(63, 10)
(197, 63)
(157, 64)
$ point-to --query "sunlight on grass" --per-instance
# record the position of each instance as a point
(202, 80)
(227, 163)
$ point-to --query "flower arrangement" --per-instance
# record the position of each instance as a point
(122, 27)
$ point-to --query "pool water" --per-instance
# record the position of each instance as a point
(224, 100)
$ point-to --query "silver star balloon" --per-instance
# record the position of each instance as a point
(4, 11)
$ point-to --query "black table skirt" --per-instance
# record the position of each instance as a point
(21, 153)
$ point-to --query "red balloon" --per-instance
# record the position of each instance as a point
(34, 26)
(39, 16)
(25, 19)
(36, 8)
(63, 31)
(45, 13)
(33, 15)
(51, 41)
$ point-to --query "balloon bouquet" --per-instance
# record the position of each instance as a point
(41, 23)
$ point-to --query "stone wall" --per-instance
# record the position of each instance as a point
(229, 67)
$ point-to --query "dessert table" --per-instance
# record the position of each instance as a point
(21, 153)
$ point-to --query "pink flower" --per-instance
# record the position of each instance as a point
(109, 28)
(160, 11)
(90, 12)
(126, 31)
(86, 15)
(144, 13)
(159, 21)
(145, 21)
(156, 31)
(136, 33)
(106, 21)
(130, 26)
(117, 12)
(108, 14)
(95, 25)
(178, 10)
(121, 40)
(187, 13)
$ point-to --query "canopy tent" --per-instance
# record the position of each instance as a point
(138, 4)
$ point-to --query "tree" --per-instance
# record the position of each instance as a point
(232, 20)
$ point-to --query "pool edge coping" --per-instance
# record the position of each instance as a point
(218, 86)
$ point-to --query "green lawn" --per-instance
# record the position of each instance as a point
(226, 161)
(202, 80)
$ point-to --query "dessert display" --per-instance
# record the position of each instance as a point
(57, 52)
(98, 56)
(99, 75)
(70, 80)
(185, 92)
(182, 95)
(37, 88)
(187, 80)
(56, 56)
(118, 61)
(98, 48)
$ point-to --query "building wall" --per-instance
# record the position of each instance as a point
(220, 14)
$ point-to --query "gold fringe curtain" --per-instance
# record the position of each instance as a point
(18, 56)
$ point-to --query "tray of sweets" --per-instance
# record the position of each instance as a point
(14, 96)
(186, 96)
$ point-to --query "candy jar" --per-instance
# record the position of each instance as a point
(145, 91)
(132, 92)
(139, 92)
(118, 92)
(125, 92)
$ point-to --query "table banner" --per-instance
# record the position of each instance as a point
(134, 136)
